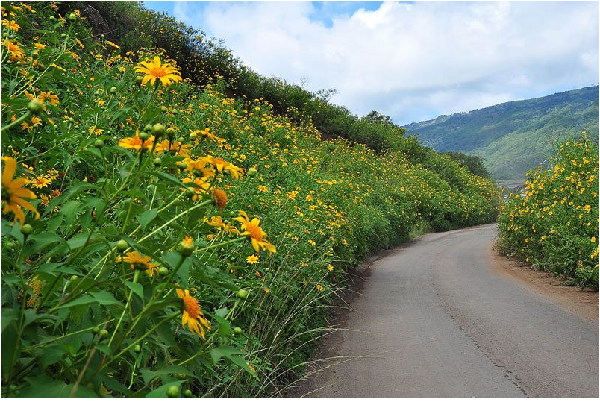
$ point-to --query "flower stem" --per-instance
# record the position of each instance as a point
(18, 121)
(136, 275)
(171, 316)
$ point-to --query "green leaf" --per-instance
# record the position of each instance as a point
(83, 300)
(6, 227)
(232, 355)
(96, 203)
(75, 189)
(49, 355)
(224, 325)
(44, 239)
(44, 387)
(95, 152)
(105, 298)
(8, 316)
(164, 373)
(105, 349)
(184, 271)
(146, 217)
(31, 315)
(169, 178)
(54, 222)
(7, 346)
(80, 239)
(16, 232)
(70, 210)
(136, 288)
(171, 258)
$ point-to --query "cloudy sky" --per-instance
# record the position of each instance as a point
(412, 61)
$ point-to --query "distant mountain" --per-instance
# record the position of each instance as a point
(513, 137)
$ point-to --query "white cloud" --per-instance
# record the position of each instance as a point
(414, 61)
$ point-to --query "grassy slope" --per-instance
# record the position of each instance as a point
(514, 137)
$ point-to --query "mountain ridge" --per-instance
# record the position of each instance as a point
(505, 134)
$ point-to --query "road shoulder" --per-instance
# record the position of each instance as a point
(583, 303)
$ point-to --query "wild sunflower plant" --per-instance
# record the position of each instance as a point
(104, 249)
(554, 224)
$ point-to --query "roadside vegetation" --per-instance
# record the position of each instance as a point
(163, 238)
(554, 226)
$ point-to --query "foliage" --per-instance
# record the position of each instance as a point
(187, 242)
(514, 137)
(204, 61)
(474, 164)
(555, 225)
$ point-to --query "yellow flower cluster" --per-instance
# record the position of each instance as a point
(555, 223)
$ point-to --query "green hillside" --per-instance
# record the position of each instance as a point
(514, 137)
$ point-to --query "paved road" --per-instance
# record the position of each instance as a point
(435, 319)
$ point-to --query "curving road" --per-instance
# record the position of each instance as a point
(436, 319)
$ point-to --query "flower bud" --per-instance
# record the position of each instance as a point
(35, 106)
(186, 247)
(173, 392)
(121, 245)
(158, 130)
(26, 229)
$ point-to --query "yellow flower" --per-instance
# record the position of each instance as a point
(38, 47)
(252, 259)
(330, 267)
(219, 224)
(154, 70)
(201, 188)
(139, 262)
(13, 192)
(174, 146)
(222, 165)
(40, 182)
(254, 232)
(136, 143)
(11, 25)
(220, 198)
(192, 315)
(14, 50)
(319, 287)
(108, 42)
(199, 165)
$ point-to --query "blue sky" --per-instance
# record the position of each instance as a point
(412, 61)
(324, 10)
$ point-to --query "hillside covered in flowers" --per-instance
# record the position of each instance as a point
(162, 238)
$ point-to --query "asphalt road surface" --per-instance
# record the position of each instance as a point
(437, 319)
